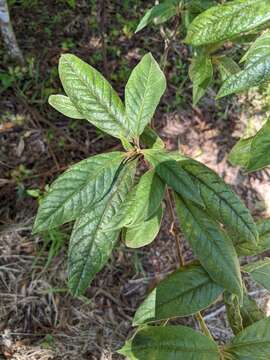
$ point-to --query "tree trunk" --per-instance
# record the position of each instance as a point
(8, 35)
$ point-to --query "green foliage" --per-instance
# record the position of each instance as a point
(103, 197)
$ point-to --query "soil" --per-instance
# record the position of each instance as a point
(39, 320)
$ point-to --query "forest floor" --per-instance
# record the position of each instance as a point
(39, 319)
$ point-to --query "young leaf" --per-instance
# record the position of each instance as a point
(182, 293)
(144, 233)
(90, 247)
(260, 272)
(227, 67)
(201, 75)
(233, 310)
(151, 139)
(173, 174)
(159, 14)
(220, 201)
(250, 312)
(222, 22)
(247, 249)
(64, 105)
(211, 245)
(171, 342)
(143, 91)
(141, 203)
(78, 189)
(93, 96)
(253, 343)
(253, 153)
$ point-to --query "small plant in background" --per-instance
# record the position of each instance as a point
(104, 197)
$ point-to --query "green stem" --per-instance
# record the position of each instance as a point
(203, 325)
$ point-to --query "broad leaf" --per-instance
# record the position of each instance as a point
(246, 249)
(90, 247)
(93, 96)
(221, 202)
(253, 343)
(233, 310)
(143, 91)
(258, 50)
(182, 293)
(79, 188)
(227, 67)
(211, 245)
(151, 139)
(201, 75)
(144, 233)
(64, 105)
(158, 14)
(141, 203)
(173, 174)
(253, 153)
(260, 272)
(223, 22)
(171, 343)
(250, 312)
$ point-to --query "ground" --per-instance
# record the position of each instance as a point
(38, 317)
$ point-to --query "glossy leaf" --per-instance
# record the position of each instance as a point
(171, 173)
(90, 247)
(211, 245)
(223, 22)
(259, 49)
(143, 91)
(246, 249)
(221, 202)
(93, 96)
(158, 14)
(201, 75)
(260, 272)
(151, 139)
(253, 153)
(79, 188)
(182, 293)
(250, 312)
(253, 343)
(171, 342)
(141, 203)
(64, 105)
(144, 233)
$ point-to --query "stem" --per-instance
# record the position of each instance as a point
(174, 231)
(102, 21)
(203, 325)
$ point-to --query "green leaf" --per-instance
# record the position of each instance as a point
(253, 153)
(151, 139)
(143, 91)
(64, 105)
(173, 174)
(233, 310)
(201, 75)
(141, 203)
(171, 343)
(260, 272)
(93, 96)
(158, 14)
(258, 50)
(253, 343)
(144, 233)
(247, 249)
(211, 245)
(250, 312)
(79, 188)
(182, 293)
(90, 247)
(221, 202)
(227, 67)
(223, 22)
